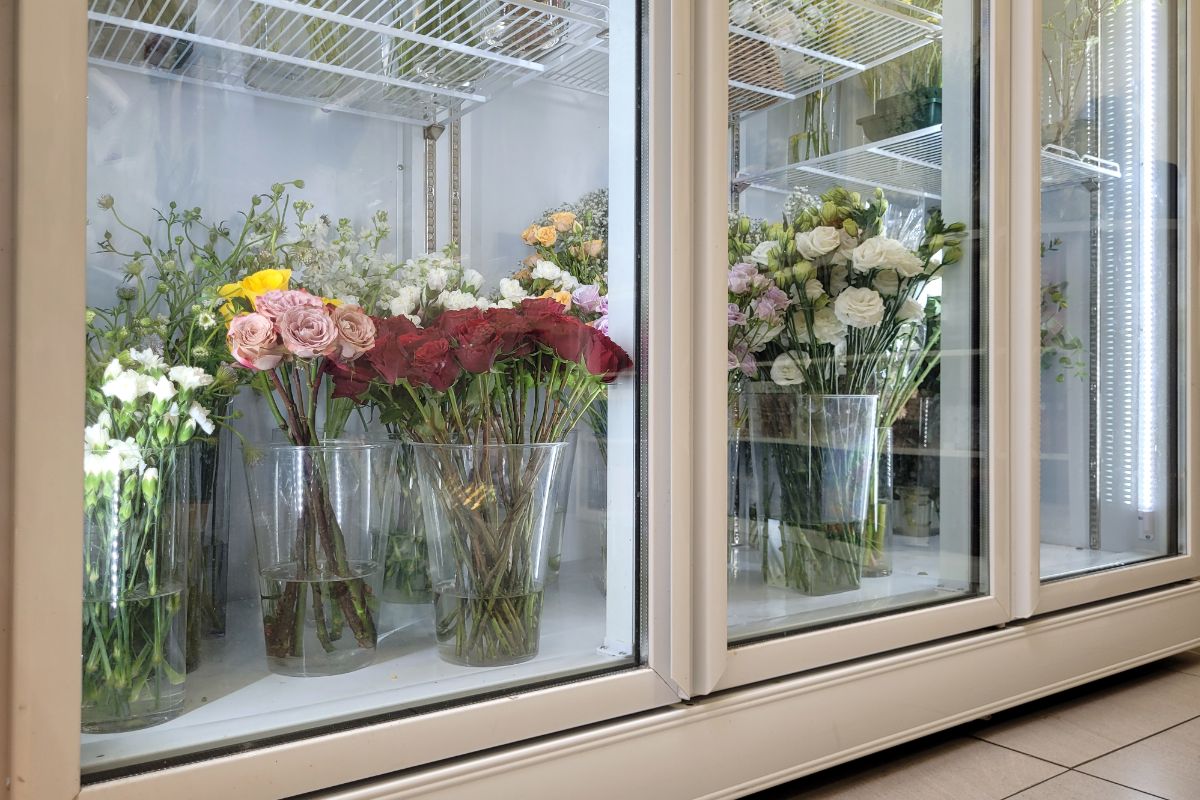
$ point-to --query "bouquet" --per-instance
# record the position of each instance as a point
(487, 448)
(140, 410)
(290, 341)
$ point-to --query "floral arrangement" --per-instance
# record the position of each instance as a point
(134, 578)
(568, 242)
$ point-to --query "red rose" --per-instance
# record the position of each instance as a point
(350, 379)
(537, 307)
(566, 336)
(390, 358)
(432, 362)
(393, 326)
(452, 323)
(478, 344)
(512, 328)
(604, 357)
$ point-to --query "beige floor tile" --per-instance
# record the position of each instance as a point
(961, 769)
(1077, 786)
(1188, 662)
(1167, 765)
(1085, 727)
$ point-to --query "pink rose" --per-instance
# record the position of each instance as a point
(308, 331)
(254, 342)
(356, 331)
(274, 303)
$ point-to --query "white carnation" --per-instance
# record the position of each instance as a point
(405, 301)
(456, 301)
(788, 368)
(437, 278)
(512, 291)
(162, 389)
(818, 242)
(124, 386)
(189, 378)
(126, 453)
(568, 282)
(483, 304)
(113, 369)
(472, 278)
(859, 307)
(148, 358)
(199, 415)
(546, 270)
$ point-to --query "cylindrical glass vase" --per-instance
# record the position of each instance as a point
(877, 533)
(134, 582)
(319, 516)
(406, 555)
(564, 480)
(821, 452)
(208, 542)
(488, 509)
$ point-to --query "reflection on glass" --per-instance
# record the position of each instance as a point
(1111, 256)
(286, 305)
(855, 431)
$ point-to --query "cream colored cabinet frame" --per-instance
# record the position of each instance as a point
(1030, 595)
(728, 667)
(40, 498)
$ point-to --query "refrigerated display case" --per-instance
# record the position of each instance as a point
(901, 441)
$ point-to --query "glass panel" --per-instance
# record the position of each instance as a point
(857, 275)
(350, 337)
(1112, 135)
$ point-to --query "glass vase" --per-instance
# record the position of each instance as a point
(208, 542)
(319, 513)
(307, 38)
(134, 582)
(487, 510)
(821, 452)
(564, 480)
(877, 533)
(454, 21)
(406, 555)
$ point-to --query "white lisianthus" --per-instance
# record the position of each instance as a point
(125, 386)
(859, 307)
(818, 242)
(568, 282)
(456, 301)
(436, 278)
(546, 270)
(871, 254)
(899, 258)
(788, 368)
(762, 253)
(935, 260)
(886, 282)
(512, 291)
(199, 415)
(839, 279)
(472, 278)
(813, 289)
(147, 358)
(827, 328)
(189, 378)
(911, 311)
(845, 250)
(839, 357)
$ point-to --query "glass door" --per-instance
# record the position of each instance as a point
(857, 282)
(362, 329)
(1113, 284)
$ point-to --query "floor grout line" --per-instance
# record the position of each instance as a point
(1131, 744)
(1122, 785)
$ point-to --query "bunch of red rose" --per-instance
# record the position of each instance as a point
(472, 341)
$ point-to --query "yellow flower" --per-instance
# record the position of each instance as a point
(563, 297)
(562, 221)
(547, 236)
(530, 235)
(265, 280)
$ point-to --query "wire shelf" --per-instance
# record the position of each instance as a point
(583, 70)
(782, 51)
(419, 61)
(910, 164)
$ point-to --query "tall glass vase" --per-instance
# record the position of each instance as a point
(821, 453)
(134, 582)
(487, 510)
(319, 515)
(208, 542)
(877, 534)
(562, 499)
(406, 555)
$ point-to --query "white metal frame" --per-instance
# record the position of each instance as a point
(42, 733)
(1030, 595)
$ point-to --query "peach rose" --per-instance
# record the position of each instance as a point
(547, 236)
(308, 332)
(530, 235)
(563, 221)
(563, 298)
(254, 342)
(356, 331)
(593, 247)
(272, 304)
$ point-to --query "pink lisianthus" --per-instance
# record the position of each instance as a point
(274, 303)
(749, 365)
(740, 277)
(356, 331)
(308, 331)
(254, 342)
(601, 324)
(587, 298)
(735, 316)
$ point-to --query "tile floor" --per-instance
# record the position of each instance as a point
(1134, 736)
